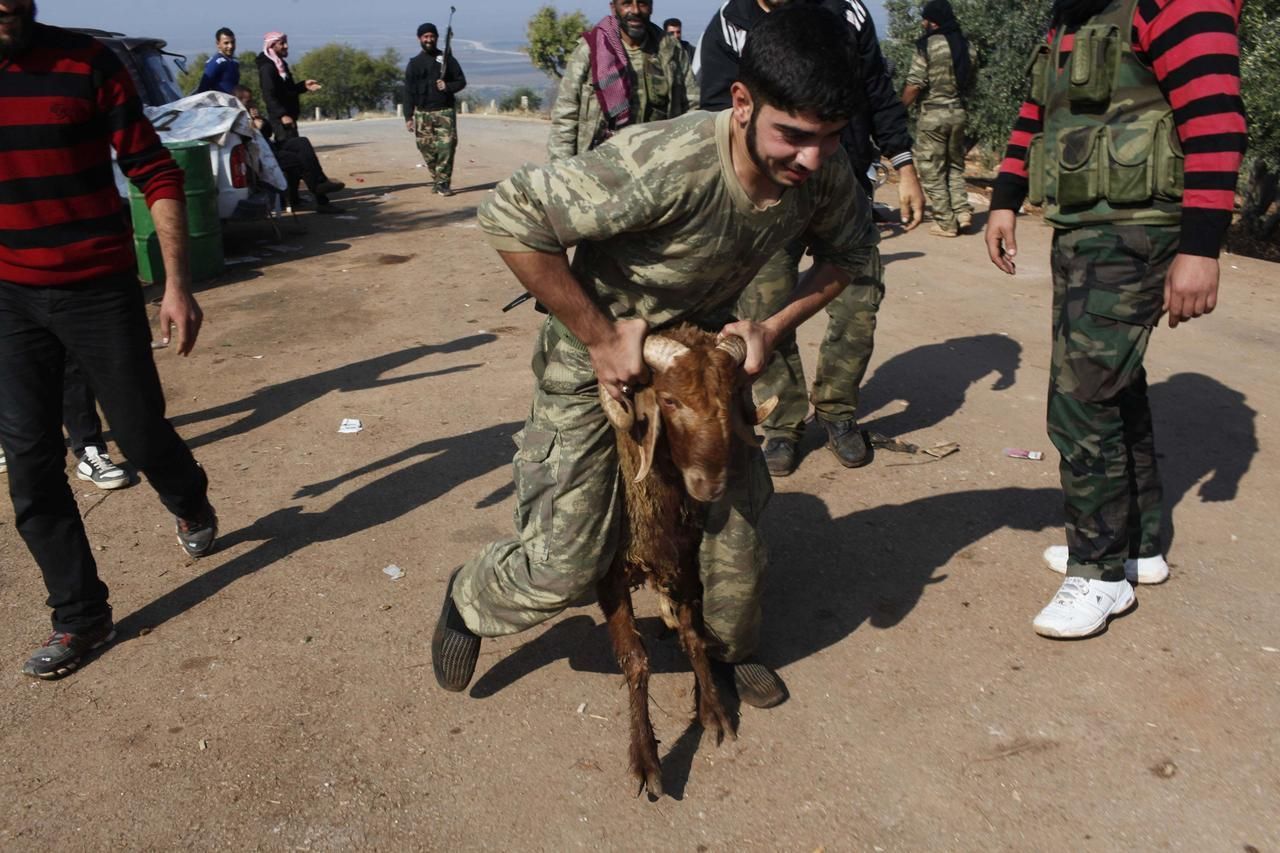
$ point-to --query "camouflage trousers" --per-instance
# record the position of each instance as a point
(939, 152)
(1108, 291)
(568, 512)
(843, 355)
(436, 133)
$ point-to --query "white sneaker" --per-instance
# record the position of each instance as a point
(1082, 606)
(4, 463)
(1142, 570)
(98, 469)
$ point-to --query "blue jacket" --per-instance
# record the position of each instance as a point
(221, 74)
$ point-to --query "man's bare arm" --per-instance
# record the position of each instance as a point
(822, 283)
(178, 308)
(616, 348)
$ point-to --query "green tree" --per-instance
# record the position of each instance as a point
(351, 78)
(552, 37)
(1003, 31)
(511, 102)
(1260, 80)
(189, 78)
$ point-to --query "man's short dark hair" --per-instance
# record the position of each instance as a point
(672, 22)
(800, 59)
(225, 31)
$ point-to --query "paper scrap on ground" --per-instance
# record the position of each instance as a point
(394, 572)
(350, 425)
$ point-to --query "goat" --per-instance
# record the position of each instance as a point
(675, 447)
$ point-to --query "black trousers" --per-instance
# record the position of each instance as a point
(102, 325)
(80, 411)
(298, 160)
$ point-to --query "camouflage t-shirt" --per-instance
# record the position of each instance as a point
(663, 228)
(935, 75)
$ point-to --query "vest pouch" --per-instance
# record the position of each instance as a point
(1168, 160)
(1079, 166)
(1038, 71)
(1035, 169)
(1095, 57)
(1129, 169)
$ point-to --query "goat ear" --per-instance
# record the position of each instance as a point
(766, 408)
(647, 426)
(620, 414)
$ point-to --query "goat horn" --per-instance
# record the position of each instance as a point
(735, 346)
(660, 352)
(766, 408)
(620, 414)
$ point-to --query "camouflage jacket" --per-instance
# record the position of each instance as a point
(665, 88)
(935, 74)
(663, 228)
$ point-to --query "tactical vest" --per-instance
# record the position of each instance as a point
(1109, 151)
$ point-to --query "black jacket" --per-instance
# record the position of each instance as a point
(420, 77)
(279, 94)
(883, 117)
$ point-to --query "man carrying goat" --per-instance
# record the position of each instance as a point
(671, 221)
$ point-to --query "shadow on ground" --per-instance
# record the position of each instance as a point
(272, 402)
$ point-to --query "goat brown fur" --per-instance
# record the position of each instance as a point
(675, 455)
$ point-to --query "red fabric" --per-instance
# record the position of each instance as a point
(1216, 138)
(610, 73)
(65, 103)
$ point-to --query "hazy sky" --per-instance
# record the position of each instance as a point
(189, 24)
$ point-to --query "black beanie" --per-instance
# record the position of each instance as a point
(428, 28)
(938, 11)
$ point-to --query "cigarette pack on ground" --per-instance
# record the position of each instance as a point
(1019, 453)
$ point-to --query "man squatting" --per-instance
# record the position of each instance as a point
(671, 221)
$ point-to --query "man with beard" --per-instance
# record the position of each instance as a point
(675, 28)
(691, 208)
(625, 71)
(847, 346)
(279, 90)
(941, 73)
(431, 80)
(69, 290)
(1135, 162)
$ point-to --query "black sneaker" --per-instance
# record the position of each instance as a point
(61, 653)
(780, 456)
(847, 442)
(196, 536)
(328, 187)
(758, 685)
(454, 648)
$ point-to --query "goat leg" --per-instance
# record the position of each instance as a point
(615, 600)
(710, 709)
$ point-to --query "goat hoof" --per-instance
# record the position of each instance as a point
(650, 780)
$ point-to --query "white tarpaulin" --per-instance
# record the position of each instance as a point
(216, 117)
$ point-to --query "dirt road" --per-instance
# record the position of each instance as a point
(278, 695)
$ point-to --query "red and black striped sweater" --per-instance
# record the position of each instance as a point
(1192, 47)
(65, 102)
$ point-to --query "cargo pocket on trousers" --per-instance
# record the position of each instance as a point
(537, 466)
(1136, 306)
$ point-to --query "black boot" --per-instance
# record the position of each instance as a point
(780, 456)
(847, 442)
(758, 685)
(454, 648)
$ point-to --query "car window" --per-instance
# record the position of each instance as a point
(158, 77)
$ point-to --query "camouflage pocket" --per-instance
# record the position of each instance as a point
(1079, 175)
(537, 465)
(1038, 71)
(1035, 169)
(1129, 167)
(1095, 59)
(1169, 160)
(1136, 305)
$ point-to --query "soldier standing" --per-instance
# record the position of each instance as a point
(431, 80)
(1140, 196)
(670, 222)
(625, 71)
(941, 72)
(847, 346)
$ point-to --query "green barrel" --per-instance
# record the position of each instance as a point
(203, 226)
